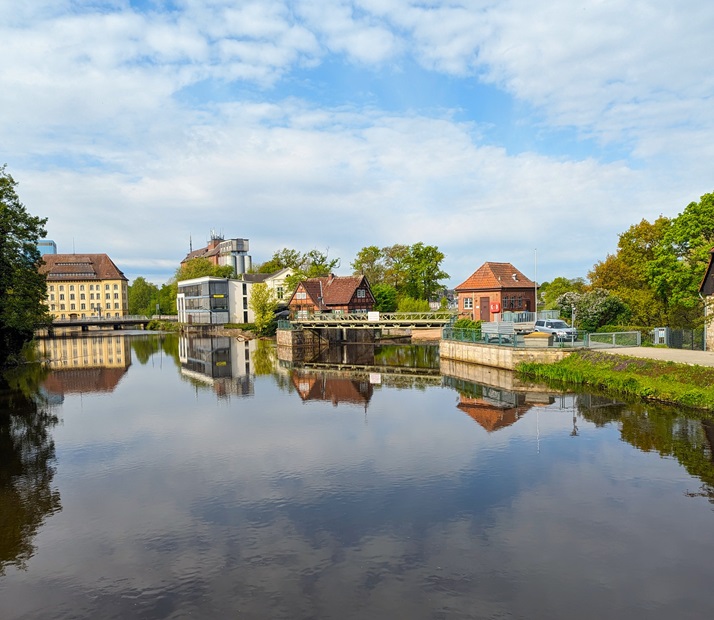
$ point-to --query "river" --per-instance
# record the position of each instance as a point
(151, 476)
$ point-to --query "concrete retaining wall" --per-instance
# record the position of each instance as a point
(496, 356)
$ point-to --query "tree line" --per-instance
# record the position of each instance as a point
(651, 280)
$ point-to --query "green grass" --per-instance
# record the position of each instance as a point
(651, 380)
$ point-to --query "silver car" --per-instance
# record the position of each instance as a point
(560, 329)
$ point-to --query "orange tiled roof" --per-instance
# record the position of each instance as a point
(490, 276)
(80, 267)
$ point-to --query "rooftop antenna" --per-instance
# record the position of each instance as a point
(190, 244)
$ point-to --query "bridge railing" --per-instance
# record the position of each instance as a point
(378, 317)
(103, 319)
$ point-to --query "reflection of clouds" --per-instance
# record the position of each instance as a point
(175, 503)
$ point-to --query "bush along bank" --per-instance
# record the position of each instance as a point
(651, 380)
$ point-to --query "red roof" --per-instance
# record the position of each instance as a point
(333, 290)
(80, 267)
(495, 276)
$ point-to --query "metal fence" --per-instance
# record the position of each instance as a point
(680, 338)
(614, 339)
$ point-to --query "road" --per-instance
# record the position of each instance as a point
(680, 356)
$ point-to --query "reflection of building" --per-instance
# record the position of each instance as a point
(319, 386)
(79, 351)
(84, 285)
(491, 414)
(85, 364)
(221, 362)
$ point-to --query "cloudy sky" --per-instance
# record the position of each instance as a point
(489, 128)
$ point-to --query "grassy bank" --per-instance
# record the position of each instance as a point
(652, 380)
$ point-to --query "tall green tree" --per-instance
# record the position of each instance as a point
(550, 291)
(369, 262)
(424, 272)
(22, 288)
(281, 259)
(263, 304)
(626, 273)
(680, 262)
(385, 297)
(143, 297)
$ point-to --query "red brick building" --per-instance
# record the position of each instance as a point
(494, 288)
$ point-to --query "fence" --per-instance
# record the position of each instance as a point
(614, 339)
(680, 338)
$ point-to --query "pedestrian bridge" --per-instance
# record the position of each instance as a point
(370, 320)
(116, 322)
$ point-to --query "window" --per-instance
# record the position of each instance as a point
(61, 287)
(361, 292)
(71, 295)
(83, 307)
(62, 308)
(116, 295)
(72, 307)
(81, 287)
(116, 306)
(108, 296)
(61, 296)
(301, 295)
(245, 290)
(106, 287)
(116, 286)
(52, 287)
(91, 287)
(82, 296)
(468, 303)
(280, 292)
(52, 297)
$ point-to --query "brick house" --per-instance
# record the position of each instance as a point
(494, 288)
(706, 290)
(337, 294)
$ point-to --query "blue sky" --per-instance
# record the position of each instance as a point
(488, 128)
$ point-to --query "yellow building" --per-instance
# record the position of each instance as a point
(84, 285)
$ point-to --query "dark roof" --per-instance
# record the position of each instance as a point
(706, 288)
(80, 267)
(256, 277)
(490, 276)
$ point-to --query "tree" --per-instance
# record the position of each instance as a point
(263, 304)
(385, 298)
(409, 304)
(314, 264)
(680, 262)
(423, 273)
(395, 265)
(626, 273)
(594, 309)
(370, 262)
(549, 292)
(143, 297)
(282, 259)
(22, 288)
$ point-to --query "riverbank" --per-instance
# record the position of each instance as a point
(649, 379)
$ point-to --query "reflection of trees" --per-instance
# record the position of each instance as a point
(413, 356)
(666, 431)
(264, 357)
(146, 346)
(27, 454)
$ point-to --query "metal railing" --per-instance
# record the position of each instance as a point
(129, 318)
(614, 339)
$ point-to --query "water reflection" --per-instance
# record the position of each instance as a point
(181, 502)
(27, 461)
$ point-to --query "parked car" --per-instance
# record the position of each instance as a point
(560, 329)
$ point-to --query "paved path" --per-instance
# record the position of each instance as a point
(681, 356)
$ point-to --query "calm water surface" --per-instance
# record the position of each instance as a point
(149, 477)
